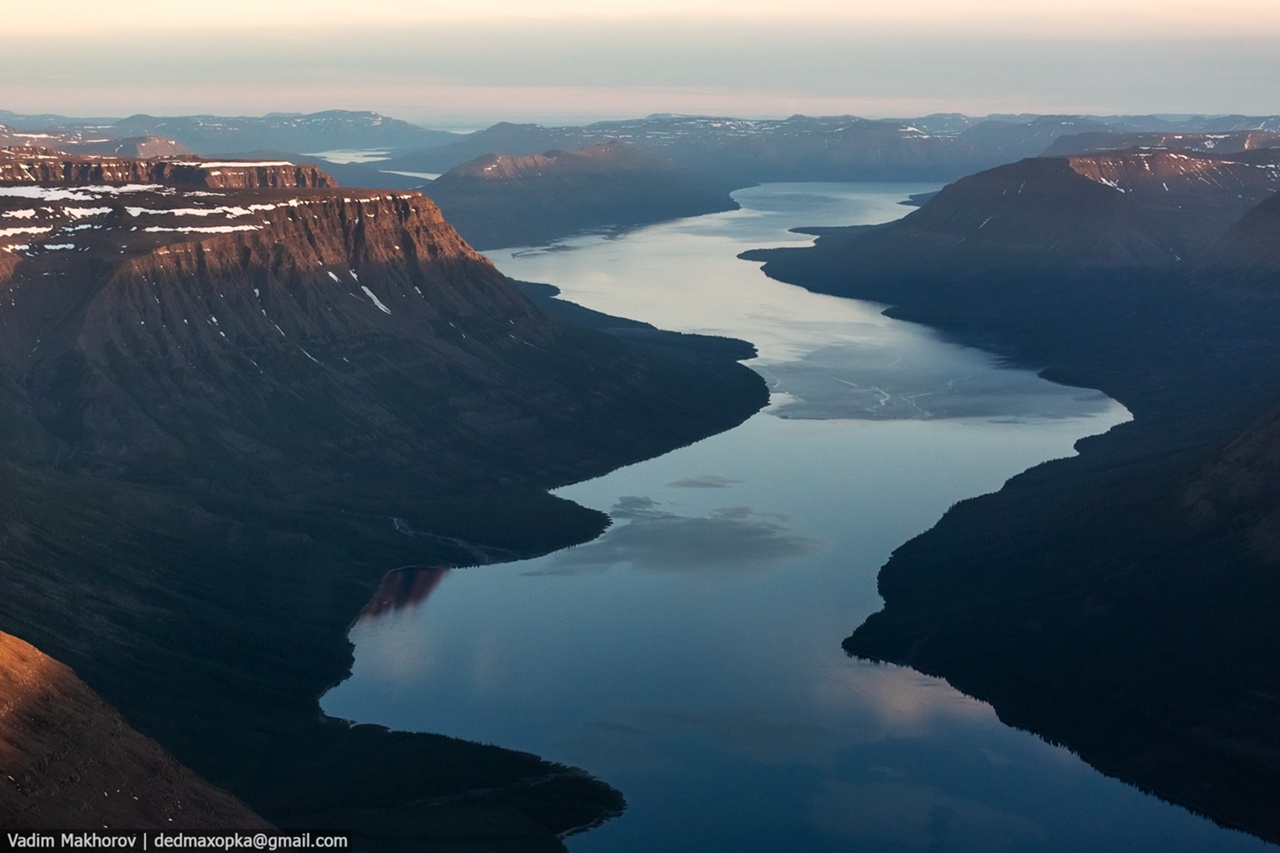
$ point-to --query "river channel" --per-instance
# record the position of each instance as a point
(690, 656)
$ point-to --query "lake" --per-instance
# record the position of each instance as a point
(690, 656)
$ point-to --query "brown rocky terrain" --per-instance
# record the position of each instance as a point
(70, 761)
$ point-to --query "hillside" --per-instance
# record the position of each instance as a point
(228, 409)
(1108, 210)
(1120, 602)
(498, 200)
(74, 763)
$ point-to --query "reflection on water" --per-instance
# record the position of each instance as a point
(858, 380)
(403, 589)
(691, 655)
(648, 538)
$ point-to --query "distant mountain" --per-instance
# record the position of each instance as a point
(738, 150)
(746, 151)
(80, 142)
(223, 135)
(499, 200)
(232, 397)
(1111, 140)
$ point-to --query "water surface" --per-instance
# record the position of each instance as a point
(691, 655)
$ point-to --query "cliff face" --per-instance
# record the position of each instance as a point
(354, 328)
(1230, 142)
(213, 405)
(73, 762)
(34, 165)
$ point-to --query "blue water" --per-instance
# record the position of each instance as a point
(691, 655)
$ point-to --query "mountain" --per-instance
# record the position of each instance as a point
(80, 142)
(1120, 602)
(1113, 209)
(32, 165)
(1232, 142)
(74, 763)
(806, 148)
(222, 135)
(228, 407)
(740, 151)
(497, 200)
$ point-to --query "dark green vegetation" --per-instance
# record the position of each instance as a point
(1122, 602)
(215, 446)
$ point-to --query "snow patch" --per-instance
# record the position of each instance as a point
(207, 229)
(376, 301)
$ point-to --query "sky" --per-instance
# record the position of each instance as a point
(459, 65)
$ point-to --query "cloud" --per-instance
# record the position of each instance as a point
(709, 481)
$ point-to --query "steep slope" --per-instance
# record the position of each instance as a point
(74, 763)
(499, 200)
(1121, 602)
(227, 413)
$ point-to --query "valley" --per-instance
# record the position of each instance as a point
(234, 395)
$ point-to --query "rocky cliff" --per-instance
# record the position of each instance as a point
(36, 165)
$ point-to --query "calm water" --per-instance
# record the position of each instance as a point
(691, 655)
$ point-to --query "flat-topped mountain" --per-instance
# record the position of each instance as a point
(221, 135)
(72, 761)
(1104, 210)
(1232, 142)
(747, 151)
(229, 406)
(36, 165)
(500, 200)
(82, 142)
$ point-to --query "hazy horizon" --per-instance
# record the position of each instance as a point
(562, 61)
